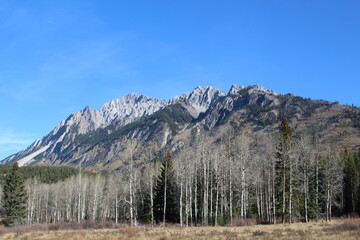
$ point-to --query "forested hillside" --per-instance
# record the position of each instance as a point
(44, 174)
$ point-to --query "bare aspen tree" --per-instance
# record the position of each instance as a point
(204, 161)
(242, 157)
(114, 196)
(191, 170)
(229, 142)
(165, 192)
(270, 169)
(317, 182)
(305, 157)
(105, 199)
(71, 199)
(95, 197)
(79, 186)
(152, 174)
(85, 182)
(217, 167)
(196, 189)
(180, 175)
(131, 185)
(211, 180)
(31, 186)
(333, 176)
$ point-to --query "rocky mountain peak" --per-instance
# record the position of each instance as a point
(258, 88)
(130, 107)
(201, 98)
(234, 90)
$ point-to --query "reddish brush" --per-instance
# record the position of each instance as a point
(236, 222)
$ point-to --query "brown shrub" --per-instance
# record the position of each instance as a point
(230, 234)
(19, 230)
(3, 229)
(236, 222)
(128, 229)
(350, 224)
(259, 233)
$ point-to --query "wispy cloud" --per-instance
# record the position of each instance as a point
(46, 52)
(66, 68)
(10, 137)
(81, 60)
(14, 141)
(11, 142)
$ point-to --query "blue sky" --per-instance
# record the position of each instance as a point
(56, 57)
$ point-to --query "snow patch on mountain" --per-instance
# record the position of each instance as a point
(29, 158)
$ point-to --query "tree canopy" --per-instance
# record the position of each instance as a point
(15, 198)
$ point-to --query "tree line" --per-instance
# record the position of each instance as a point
(45, 174)
(288, 179)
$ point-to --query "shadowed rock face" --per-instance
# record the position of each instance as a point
(201, 98)
(102, 139)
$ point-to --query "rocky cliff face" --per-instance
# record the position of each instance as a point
(239, 98)
(103, 139)
(201, 98)
(129, 109)
(120, 111)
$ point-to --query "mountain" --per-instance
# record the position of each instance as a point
(117, 112)
(138, 126)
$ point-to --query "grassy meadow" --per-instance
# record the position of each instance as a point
(338, 229)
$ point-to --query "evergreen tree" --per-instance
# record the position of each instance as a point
(165, 202)
(145, 209)
(145, 205)
(284, 171)
(351, 182)
(15, 198)
(357, 161)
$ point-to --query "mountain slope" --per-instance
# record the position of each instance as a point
(140, 126)
(120, 111)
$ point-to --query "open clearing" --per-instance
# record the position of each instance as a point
(338, 229)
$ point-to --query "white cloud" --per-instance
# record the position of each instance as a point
(11, 142)
(8, 137)
(8, 150)
(16, 141)
(64, 69)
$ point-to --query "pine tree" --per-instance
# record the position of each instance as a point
(351, 182)
(357, 160)
(165, 202)
(15, 198)
(284, 170)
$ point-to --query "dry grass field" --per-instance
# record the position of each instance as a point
(338, 229)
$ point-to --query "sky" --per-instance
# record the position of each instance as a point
(57, 57)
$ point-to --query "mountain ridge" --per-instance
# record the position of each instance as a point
(101, 139)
